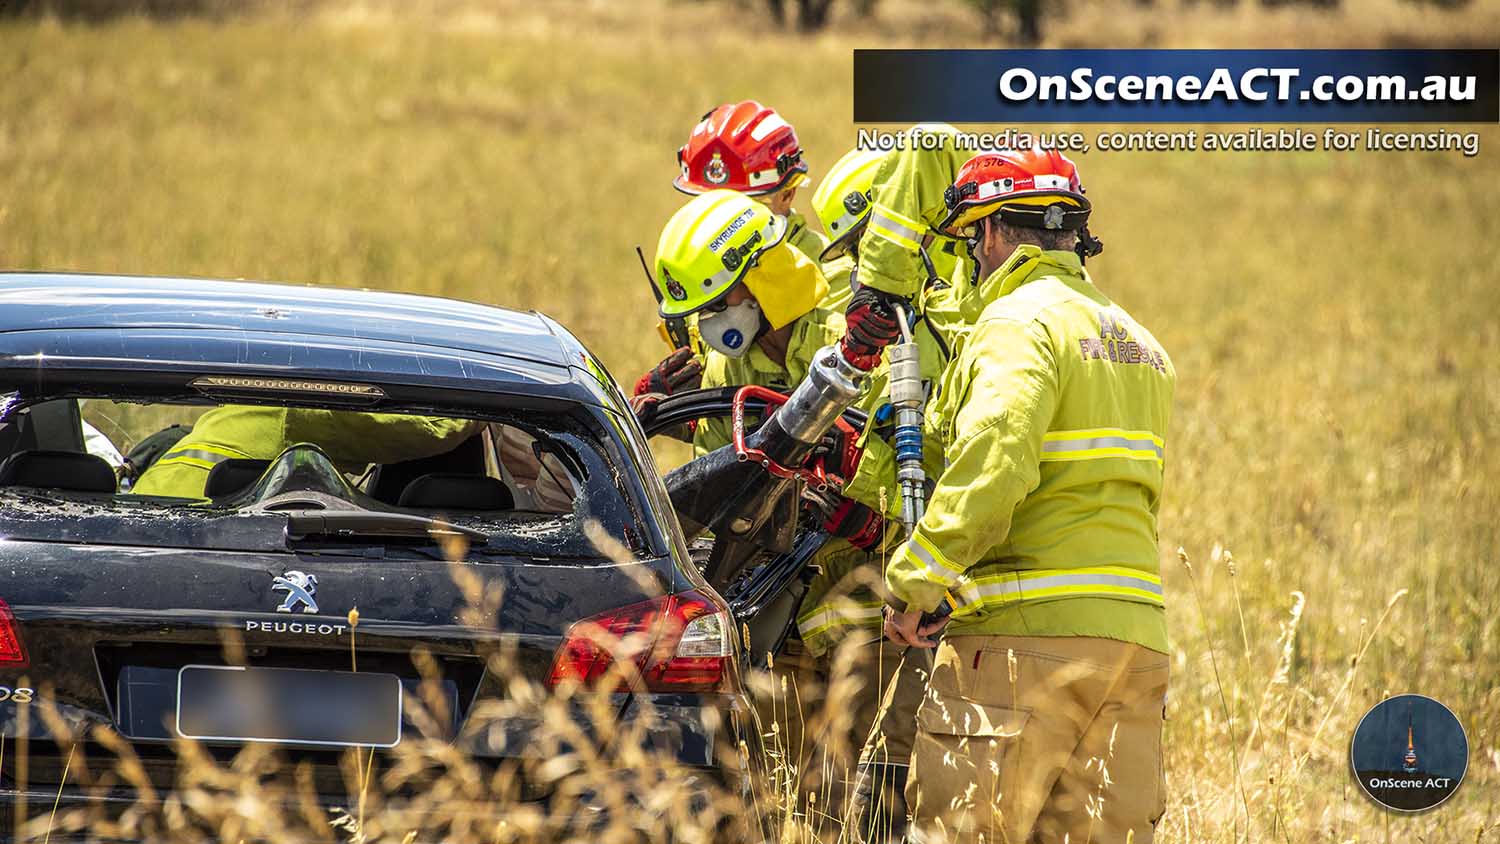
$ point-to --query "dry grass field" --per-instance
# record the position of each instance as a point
(1332, 469)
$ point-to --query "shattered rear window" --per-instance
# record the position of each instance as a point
(186, 474)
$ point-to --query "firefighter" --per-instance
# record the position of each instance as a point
(1043, 715)
(876, 808)
(843, 203)
(724, 258)
(351, 439)
(844, 607)
(752, 150)
(749, 148)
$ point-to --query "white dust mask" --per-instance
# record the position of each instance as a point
(732, 330)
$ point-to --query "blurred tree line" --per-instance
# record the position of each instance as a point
(1016, 21)
(103, 10)
(1020, 20)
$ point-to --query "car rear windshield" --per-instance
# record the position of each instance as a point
(529, 482)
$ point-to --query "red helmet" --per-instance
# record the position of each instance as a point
(1033, 187)
(743, 147)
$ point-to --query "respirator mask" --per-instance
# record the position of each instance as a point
(732, 328)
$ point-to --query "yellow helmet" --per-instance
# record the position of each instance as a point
(721, 238)
(709, 245)
(842, 200)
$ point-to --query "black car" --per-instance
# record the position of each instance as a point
(223, 607)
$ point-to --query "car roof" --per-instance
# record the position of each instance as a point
(56, 321)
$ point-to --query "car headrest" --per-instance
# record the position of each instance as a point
(391, 479)
(454, 491)
(232, 475)
(70, 470)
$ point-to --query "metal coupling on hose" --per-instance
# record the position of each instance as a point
(907, 398)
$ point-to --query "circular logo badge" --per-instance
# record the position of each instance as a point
(675, 289)
(1409, 753)
(714, 172)
(733, 338)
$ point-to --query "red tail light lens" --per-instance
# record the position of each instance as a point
(677, 643)
(12, 652)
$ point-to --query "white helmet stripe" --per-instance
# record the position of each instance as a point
(843, 224)
(767, 126)
(764, 177)
(1002, 187)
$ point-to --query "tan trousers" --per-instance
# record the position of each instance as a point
(1027, 738)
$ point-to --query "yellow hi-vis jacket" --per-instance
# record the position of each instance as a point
(351, 439)
(807, 240)
(906, 205)
(838, 272)
(1053, 417)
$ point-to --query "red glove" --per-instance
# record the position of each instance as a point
(677, 372)
(839, 449)
(857, 523)
(872, 325)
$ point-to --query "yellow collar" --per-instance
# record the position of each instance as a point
(1026, 263)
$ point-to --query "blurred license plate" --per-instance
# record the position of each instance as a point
(292, 705)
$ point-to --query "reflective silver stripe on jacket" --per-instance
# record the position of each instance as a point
(196, 454)
(1096, 582)
(1093, 443)
(896, 229)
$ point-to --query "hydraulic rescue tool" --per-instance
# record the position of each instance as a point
(765, 601)
(747, 493)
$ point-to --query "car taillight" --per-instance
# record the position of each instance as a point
(12, 652)
(676, 643)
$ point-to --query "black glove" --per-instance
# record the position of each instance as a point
(677, 372)
(644, 405)
(872, 325)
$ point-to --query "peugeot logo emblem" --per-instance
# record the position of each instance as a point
(299, 589)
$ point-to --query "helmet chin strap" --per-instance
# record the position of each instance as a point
(979, 230)
(973, 246)
(1087, 246)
